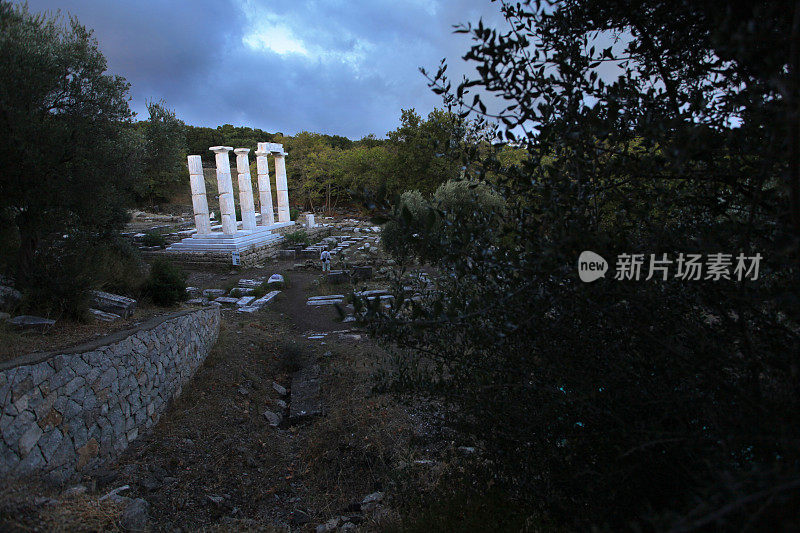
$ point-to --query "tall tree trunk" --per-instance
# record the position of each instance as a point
(28, 243)
(328, 199)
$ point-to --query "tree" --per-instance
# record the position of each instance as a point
(365, 168)
(426, 152)
(200, 139)
(652, 403)
(70, 152)
(455, 216)
(165, 155)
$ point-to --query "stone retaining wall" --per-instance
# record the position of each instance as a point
(66, 412)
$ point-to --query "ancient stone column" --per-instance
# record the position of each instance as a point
(199, 201)
(225, 186)
(280, 185)
(245, 189)
(264, 189)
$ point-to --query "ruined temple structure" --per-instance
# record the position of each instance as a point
(238, 235)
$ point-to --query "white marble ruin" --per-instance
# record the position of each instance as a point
(264, 190)
(232, 238)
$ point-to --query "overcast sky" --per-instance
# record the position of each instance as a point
(342, 67)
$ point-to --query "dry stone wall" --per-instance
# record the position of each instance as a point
(67, 412)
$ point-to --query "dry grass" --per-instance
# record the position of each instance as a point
(67, 333)
(32, 505)
(82, 514)
(356, 447)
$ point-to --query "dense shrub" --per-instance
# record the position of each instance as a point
(644, 404)
(404, 235)
(64, 270)
(116, 266)
(154, 238)
(457, 211)
(260, 290)
(297, 237)
(58, 281)
(167, 283)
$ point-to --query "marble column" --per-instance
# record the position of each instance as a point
(199, 202)
(264, 189)
(225, 187)
(280, 185)
(245, 189)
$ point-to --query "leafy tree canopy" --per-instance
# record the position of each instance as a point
(70, 151)
(649, 127)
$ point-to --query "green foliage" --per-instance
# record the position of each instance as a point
(115, 266)
(297, 237)
(165, 153)
(70, 153)
(260, 291)
(166, 285)
(651, 404)
(458, 213)
(426, 152)
(154, 238)
(326, 170)
(404, 235)
(200, 139)
(57, 283)
(293, 213)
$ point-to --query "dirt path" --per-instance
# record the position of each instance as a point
(214, 460)
(307, 318)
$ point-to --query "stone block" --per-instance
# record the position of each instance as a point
(113, 303)
(305, 400)
(102, 316)
(338, 276)
(361, 273)
(61, 378)
(280, 389)
(213, 293)
(49, 443)
(30, 322)
(31, 462)
(43, 406)
(276, 281)
(325, 302)
(250, 283)
(29, 439)
(8, 458)
(274, 419)
(40, 372)
(135, 516)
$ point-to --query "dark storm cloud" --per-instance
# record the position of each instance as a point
(341, 67)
